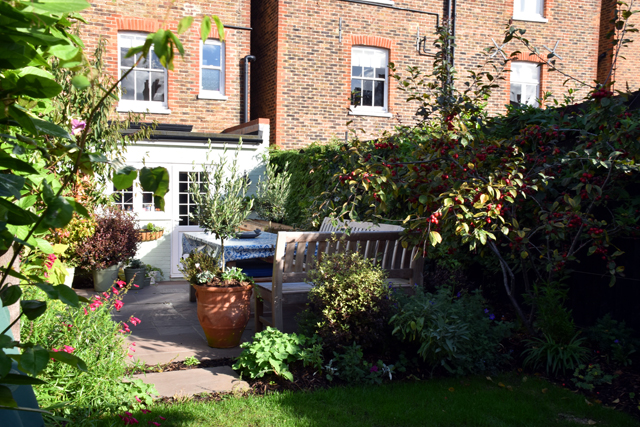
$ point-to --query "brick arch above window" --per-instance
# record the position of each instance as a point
(352, 40)
(143, 25)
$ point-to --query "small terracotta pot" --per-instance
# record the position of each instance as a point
(223, 313)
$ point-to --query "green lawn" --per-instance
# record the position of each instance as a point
(507, 400)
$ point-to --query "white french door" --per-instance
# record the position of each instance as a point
(183, 205)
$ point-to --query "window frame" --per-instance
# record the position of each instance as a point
(537, 16)
(128, 105)
(524, 82)
(213, 94)
(362, 110)
(136, 202)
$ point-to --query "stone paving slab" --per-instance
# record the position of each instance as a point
(193, 381)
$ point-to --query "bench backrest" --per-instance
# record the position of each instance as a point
(355, 226)
(298, 252)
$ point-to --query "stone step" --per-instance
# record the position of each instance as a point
(194, 381)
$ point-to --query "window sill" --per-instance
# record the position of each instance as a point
(353, 112)
(384, 2)
(531, 18)
(142, 109)
(213, 96)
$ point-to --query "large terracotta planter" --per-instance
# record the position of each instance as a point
(223, 313)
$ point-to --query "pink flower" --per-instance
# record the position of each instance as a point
(85, 311)
(115, 291)
(68, 349)
(46, 274)
(128, 413)
(136, 286)
(137, 399)
(121, 283)
(161, 417)
(145, 411)
(77, 126)
(118, 304)
(155, 423)
(55, 350)
(134, 321)
(105, 295)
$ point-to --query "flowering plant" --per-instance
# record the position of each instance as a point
(115, 240)
(77, 231)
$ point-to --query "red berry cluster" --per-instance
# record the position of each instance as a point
(602, 93)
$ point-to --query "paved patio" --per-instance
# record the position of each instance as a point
(170, 330)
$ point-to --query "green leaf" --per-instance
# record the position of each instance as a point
(5, 364)
(184, 24)
(155, 180)
(49, 128)
(32, 308)
(80, 82)
(42, 244)
(11, 185)
(67, 295)
(37, 83)
(10, 295)
(77, 207)
(6, 398)
(14, 273)
(59, 6)
(423, 199)
(435, 238)
(124, 177)
(58, 213)
(219, 26)
(48, 289)
(33, 360)
(205, 28)
(14, 164)
(64, 51)
(17, 215)
(18, 379)
(69, 359)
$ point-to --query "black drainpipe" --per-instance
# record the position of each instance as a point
(247, 59)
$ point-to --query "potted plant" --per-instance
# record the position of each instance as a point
(135, 272)
(114, 241)
(222, 297)
(154, 274)
(77, 231)
(151, 232)
(272, 193)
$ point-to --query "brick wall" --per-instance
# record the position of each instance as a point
(304, 83)
(626, 70)
(107, 17)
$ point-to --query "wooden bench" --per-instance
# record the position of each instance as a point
(298, 252)
(327, 226)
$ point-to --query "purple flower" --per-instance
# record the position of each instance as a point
(77, 126)
(616, 341)
(492, 316)
(458, 295)
(486, 310)
(374, 368)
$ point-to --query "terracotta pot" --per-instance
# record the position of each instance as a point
(223, 313)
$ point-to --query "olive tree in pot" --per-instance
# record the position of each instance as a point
(272, 193)
(114, 241)
(223, 296)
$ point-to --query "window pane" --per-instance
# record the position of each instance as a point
(530, 95)
(211, 55)
(379, 94)
(184, 209)
(210, 79)
(155, 61)
(142, 85)
(183, 198)
(516, 93)
(368, 72)
(356, 71)
(157, 86)
(125, 62)
(367, 93)
(183, 220)
(128, 87)
(381, 73)
(356, 92)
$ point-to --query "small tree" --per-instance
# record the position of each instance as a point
(271, 196)
(221, 205)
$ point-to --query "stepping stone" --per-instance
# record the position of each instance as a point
(194, 381)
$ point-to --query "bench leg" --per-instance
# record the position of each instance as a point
(258, 313)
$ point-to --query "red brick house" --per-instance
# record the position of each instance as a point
(312, 55)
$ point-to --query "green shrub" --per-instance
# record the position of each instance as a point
(589, 376)
(556, 357)
(271, 351)
(553, 319)
(613, 338)
(198, 262)
(89, 333)
(453, 331)
(270, 200)
(350, 366)
(349, 301)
